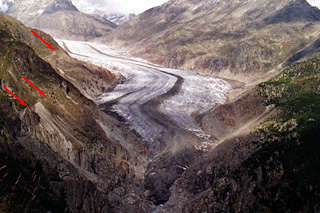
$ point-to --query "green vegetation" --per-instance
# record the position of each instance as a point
(23, 186)
(293, 147)
(13, 30)
(23, 130)
(297, 93)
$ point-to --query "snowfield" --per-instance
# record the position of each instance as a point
(181, 93)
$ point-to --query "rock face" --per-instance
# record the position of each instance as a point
(273, 167)
(62, 150)
(63, 139)
(234, 39)
(60, 18)
(235, 116)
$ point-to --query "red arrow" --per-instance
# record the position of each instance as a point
(40, 91)
(49, 45)
(21, 101)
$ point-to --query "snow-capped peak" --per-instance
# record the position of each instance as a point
(120, 19)
(4, 5)
(116, 18)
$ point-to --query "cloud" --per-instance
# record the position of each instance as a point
(315, 3)
(117, 6)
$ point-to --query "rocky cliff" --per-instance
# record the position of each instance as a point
(61, 146)
(264, 157)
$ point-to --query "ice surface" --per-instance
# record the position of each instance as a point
(146, 81)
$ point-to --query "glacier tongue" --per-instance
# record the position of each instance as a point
(146, 82)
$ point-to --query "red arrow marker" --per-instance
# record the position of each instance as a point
(40, 91)
(21, 101)
(48, 45)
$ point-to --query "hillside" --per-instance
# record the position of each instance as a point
(59, 18)
(148, 138)
(273, 168)
(233, 39)
(90, 79)
(59, 148)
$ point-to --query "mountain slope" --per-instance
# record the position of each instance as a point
(59, 18)
(91, 80)
(228, 38)
(63, 138)
(274, 167)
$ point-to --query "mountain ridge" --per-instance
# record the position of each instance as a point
(232, 39)
(60, 18)
(260, 150)
(116, 18)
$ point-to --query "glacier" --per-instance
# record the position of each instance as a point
(174, 96)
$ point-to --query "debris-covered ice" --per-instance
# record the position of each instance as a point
(145, 81)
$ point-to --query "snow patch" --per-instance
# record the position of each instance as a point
(3, 6)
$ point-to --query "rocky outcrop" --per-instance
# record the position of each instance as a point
(271, 168)
(201, 188)
(64, 148)
(64, 135)
(233, 117)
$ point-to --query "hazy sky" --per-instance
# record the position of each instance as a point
(118, 6)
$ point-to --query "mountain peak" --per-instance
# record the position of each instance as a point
(117, 18)
(58, 5)
(60, 18)
(296, 11)
(219, 37)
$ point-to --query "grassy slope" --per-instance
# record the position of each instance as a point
(64, 101)
(89, 79)
(273, 169)
(295, 140)
(23, 187)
